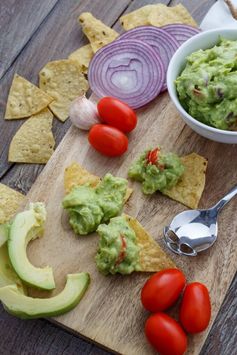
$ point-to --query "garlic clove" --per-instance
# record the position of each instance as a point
(83, 113)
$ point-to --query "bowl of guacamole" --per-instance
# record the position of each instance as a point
(202, 83)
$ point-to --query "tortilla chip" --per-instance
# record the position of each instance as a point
(34, 141)
(152, 257)
(96, 31)
(75, 175)
(25, 99)
(137, 18)
(83, 57)
(164, 15)
(190, 187)
(10, 201)
(64, 81)
(157, 15)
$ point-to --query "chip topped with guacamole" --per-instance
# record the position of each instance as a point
(207, 87)
(89, 206)
(180, 178)
(125, 246)
(156, 170)
(118, 251)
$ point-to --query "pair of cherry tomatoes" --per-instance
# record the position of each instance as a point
(161, 292)
(109, 138)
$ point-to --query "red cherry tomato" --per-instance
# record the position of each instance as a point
(108, 140)
(195, 310)
(117, 114)
(162, 290)
(165, 334)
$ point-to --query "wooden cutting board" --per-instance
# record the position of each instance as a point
(110, 312)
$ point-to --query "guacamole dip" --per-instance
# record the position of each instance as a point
(118, 252)
(207, 87)
(156, 170)
(88, 206)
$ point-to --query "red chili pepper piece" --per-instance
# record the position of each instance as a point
(153, 157)
(122, 253)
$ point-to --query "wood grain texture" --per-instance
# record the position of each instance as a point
(24, 336)
(29, 14)
(111, 313)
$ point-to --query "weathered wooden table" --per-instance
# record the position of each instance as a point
(32, 33)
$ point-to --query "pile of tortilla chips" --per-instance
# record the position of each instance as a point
(61, 81)
(33, 142)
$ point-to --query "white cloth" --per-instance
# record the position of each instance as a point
(219, 16)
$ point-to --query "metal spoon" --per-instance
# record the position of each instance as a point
(193, 231)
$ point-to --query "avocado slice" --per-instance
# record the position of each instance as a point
(4, 231)
(7, 273)
(26, 226)
(27, 307)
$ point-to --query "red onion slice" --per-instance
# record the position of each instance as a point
(161, 41)
(181, 32)
(129, 70)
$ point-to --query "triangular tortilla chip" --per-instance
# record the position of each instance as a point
(190, 187)
(83, 57)
(75, 175)
(34, 141)
(10, 201)
(164, 15)
(25, 99)
(152, 257)
(137, 18)
(157, 15)
(96, 31)
(64, 81)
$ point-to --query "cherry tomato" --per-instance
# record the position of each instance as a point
(165, 334)
(117, 114)
(162, 290)
(195, 310)
(108, 140)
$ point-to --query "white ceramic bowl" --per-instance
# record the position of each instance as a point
(202, 40)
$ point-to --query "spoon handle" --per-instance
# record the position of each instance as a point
(225, 199)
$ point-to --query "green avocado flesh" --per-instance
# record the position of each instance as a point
(118, 251)
(207, 87)
(27, 226)
(88, 207)
(4, 231)
(160, 172)
(7, 274)
(27, 307)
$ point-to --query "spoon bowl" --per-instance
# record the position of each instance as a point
(193, 231)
